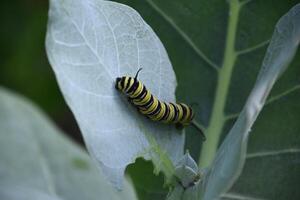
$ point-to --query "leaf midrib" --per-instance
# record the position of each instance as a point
(218, 118)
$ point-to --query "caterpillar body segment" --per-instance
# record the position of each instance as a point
(147, 104)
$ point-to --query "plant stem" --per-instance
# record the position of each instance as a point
(218, 119)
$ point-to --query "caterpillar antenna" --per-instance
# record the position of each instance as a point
(137, 73)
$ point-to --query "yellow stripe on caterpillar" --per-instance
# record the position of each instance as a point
(179, 114)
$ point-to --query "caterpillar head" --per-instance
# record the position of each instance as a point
(118, 85)
(120, 81)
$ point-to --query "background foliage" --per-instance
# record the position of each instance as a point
(24, 66)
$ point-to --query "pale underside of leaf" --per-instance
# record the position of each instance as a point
(38, 162)
(12, 192)
(89, 45)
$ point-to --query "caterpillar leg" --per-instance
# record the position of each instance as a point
(198, 127)
(179, 126)
(129, 100)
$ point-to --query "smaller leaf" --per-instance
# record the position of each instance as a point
(188, 180)
(186, 170)
(231, 155)
(188, 161)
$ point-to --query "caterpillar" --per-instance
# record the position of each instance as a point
(179, 114)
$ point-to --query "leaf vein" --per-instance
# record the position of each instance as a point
(269, 101)
(67, 44)
(279, 96)
(253, 48)
(87, 43)
(198, 51)
(272, 153)
(115, 42)
(83, 90)
(237, 196)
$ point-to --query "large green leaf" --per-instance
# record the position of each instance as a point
(38, 162)
(147, 185)
(200, 28)
(231, 155)
(90, 44)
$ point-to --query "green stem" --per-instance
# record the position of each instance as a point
(218, 119)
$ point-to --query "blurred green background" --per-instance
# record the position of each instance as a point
(24, 67)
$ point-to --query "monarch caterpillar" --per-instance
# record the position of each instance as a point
(179, 114)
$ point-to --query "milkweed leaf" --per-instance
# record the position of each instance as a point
(90, 44)
(231, 155)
